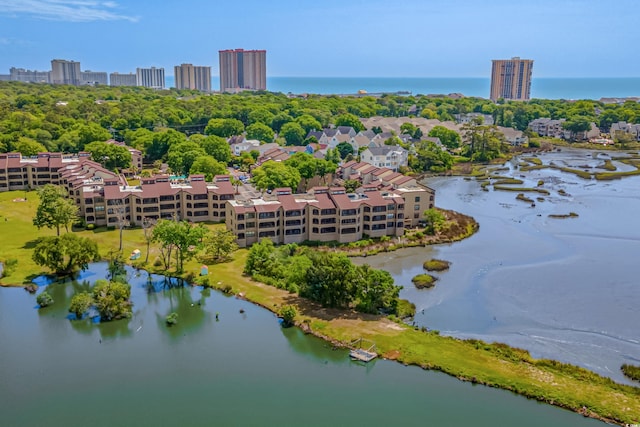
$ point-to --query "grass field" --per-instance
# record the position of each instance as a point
(18, 236)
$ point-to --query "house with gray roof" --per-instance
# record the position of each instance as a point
(387, 156)
(627, 128)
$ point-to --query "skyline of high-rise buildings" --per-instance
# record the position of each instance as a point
(242, 70)
(511, 79)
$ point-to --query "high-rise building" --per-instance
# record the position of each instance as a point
(150, 77)
(65, 72)
(188, 76)
(89, 77)
(117, 79)
(32, 76)
(243, 69)
(511, 79)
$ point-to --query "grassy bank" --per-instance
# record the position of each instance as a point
(494, 365)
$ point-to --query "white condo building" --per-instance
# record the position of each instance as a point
(150, 77)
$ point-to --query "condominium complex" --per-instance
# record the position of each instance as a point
(511, 79)
(188, 76)
(243, 70)
(150, 77)
(327, 214)
(30, 76)
(65, 72)
(93, 78)
(99, 193)
(384, 205)
(117, 79)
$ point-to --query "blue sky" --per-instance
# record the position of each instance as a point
(354, 38)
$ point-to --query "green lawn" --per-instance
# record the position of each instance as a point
(18, 234)
(491, 364)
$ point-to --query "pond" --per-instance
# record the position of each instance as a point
(243, 369)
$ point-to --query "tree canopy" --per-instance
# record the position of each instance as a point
(66, 254)
(54, 209)
(271, 175)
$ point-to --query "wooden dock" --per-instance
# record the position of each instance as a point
(363, 354)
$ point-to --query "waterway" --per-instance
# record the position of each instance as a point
(565, 289)
(243, 369)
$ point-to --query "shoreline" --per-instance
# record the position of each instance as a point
(490, 364)
(494, 365)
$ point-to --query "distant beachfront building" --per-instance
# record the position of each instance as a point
(65, 72)
(150, 77)
(117, 79)
(243, 70)
(89, 77)
(188, 76)
(511, 79)
(31, 76)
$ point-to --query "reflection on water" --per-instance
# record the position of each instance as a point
(243, 369)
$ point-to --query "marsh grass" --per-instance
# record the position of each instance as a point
(521, 189)
(424, 281)
(436, 265)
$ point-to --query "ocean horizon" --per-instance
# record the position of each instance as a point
(541, 88)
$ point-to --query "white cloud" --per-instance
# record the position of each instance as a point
(65, 10)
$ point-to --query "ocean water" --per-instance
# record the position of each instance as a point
(545, 88)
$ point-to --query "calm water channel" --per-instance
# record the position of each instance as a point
(565, 289)
(241, 370)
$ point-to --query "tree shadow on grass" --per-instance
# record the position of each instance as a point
(309, 308)
(31, 244)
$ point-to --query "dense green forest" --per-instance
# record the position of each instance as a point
(35, 117)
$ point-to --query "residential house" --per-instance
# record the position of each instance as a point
(546, 126)
(627, 128)
(513, 136)
(389, 156)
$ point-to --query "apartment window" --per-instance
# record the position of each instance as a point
(266, 215)
(378, 227)
(416, 207)
(389, 216)
(399, 224)
(293, 231)
(240, 235)
(348, 212)
(379, 209)
(251, 215)
(390, 224)
(251, 224)
(416, 215)
(350, 230)
(316, 212)
(250, 233)
(391, 207)
(314, 230)
(379, 217)
(325, 230)
(417, 199)
(349, 221)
